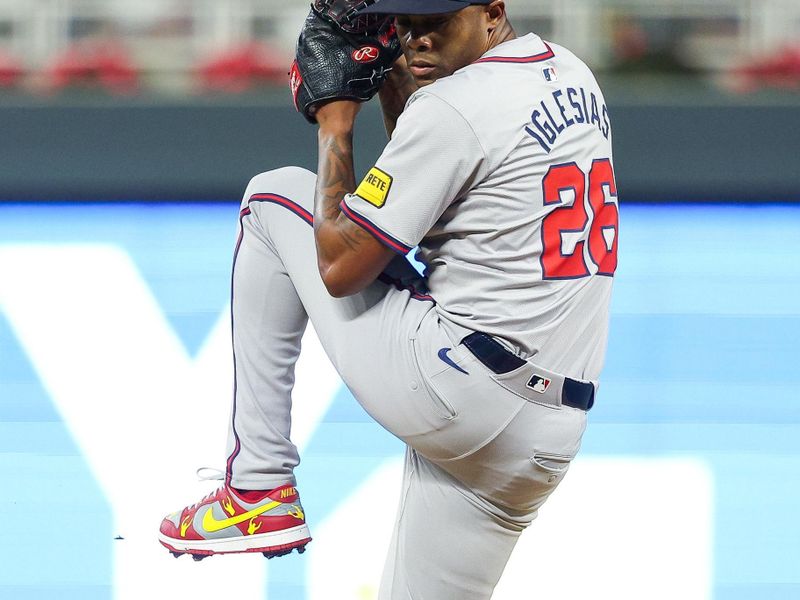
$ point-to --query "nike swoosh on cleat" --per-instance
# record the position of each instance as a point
(449, 361)
(211, 524)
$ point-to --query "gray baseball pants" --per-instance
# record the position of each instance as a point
(483, 452)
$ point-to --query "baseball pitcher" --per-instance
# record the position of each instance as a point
(499, 169)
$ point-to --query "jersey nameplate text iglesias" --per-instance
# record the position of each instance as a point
(566, 107)
(515, 212)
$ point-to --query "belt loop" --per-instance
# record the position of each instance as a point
(492, 353)
(499, 360)
(578, 394)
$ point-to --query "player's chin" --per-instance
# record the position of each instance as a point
(427, 78)
(426, 73)
(423, 81)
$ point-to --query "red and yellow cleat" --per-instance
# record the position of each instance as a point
(226, 522)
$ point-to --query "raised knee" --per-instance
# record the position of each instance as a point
(295, 183)
(274, 177)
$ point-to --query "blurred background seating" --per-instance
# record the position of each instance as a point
(177, 46)
(186, 99)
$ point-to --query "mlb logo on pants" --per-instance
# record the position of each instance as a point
(539, 384)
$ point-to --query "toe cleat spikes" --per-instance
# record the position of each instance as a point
(199, 557)
(283, 552)
(176, 554)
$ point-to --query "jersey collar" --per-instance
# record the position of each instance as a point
(518, 51)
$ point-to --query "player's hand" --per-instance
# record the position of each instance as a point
(395, 92)
(400, 78)
(399, 82)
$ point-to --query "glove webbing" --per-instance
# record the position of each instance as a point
(351, 14)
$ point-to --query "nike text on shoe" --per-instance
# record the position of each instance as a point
(224, 522)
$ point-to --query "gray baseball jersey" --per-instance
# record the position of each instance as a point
(502, 174)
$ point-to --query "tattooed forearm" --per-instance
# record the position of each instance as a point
(348, 257)
(335, 179)
(335, 176)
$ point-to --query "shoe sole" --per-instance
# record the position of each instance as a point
(274, 543)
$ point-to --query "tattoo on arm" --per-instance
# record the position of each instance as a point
(348, 257)
(334, 180)
(335, 177)
(352, 235)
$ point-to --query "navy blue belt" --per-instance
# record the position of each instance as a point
(577, 394)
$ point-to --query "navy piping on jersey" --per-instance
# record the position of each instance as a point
(376, 231)
(286, 203)
(547, 55)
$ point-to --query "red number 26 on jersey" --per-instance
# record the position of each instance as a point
(603, 230)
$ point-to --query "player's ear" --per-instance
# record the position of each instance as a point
(495, 13)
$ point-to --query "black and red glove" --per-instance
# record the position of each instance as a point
(341, 55)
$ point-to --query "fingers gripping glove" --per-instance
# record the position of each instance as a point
(341, 55)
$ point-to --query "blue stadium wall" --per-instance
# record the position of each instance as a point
(706, 148)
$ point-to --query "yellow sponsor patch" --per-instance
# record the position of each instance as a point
(375, 187)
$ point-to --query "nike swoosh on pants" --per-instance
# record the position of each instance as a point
(449, 361)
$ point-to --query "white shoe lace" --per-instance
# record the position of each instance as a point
(208, 474)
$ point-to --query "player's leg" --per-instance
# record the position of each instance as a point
(369, 336)
(448, 543)
(267, 323)
(258, 507)
(275, 285)
(460, 518)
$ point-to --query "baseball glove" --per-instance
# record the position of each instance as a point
(341, 55)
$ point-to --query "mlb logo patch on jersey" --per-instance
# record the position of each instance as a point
(539, 384)
(375, 187)
(550, 74)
